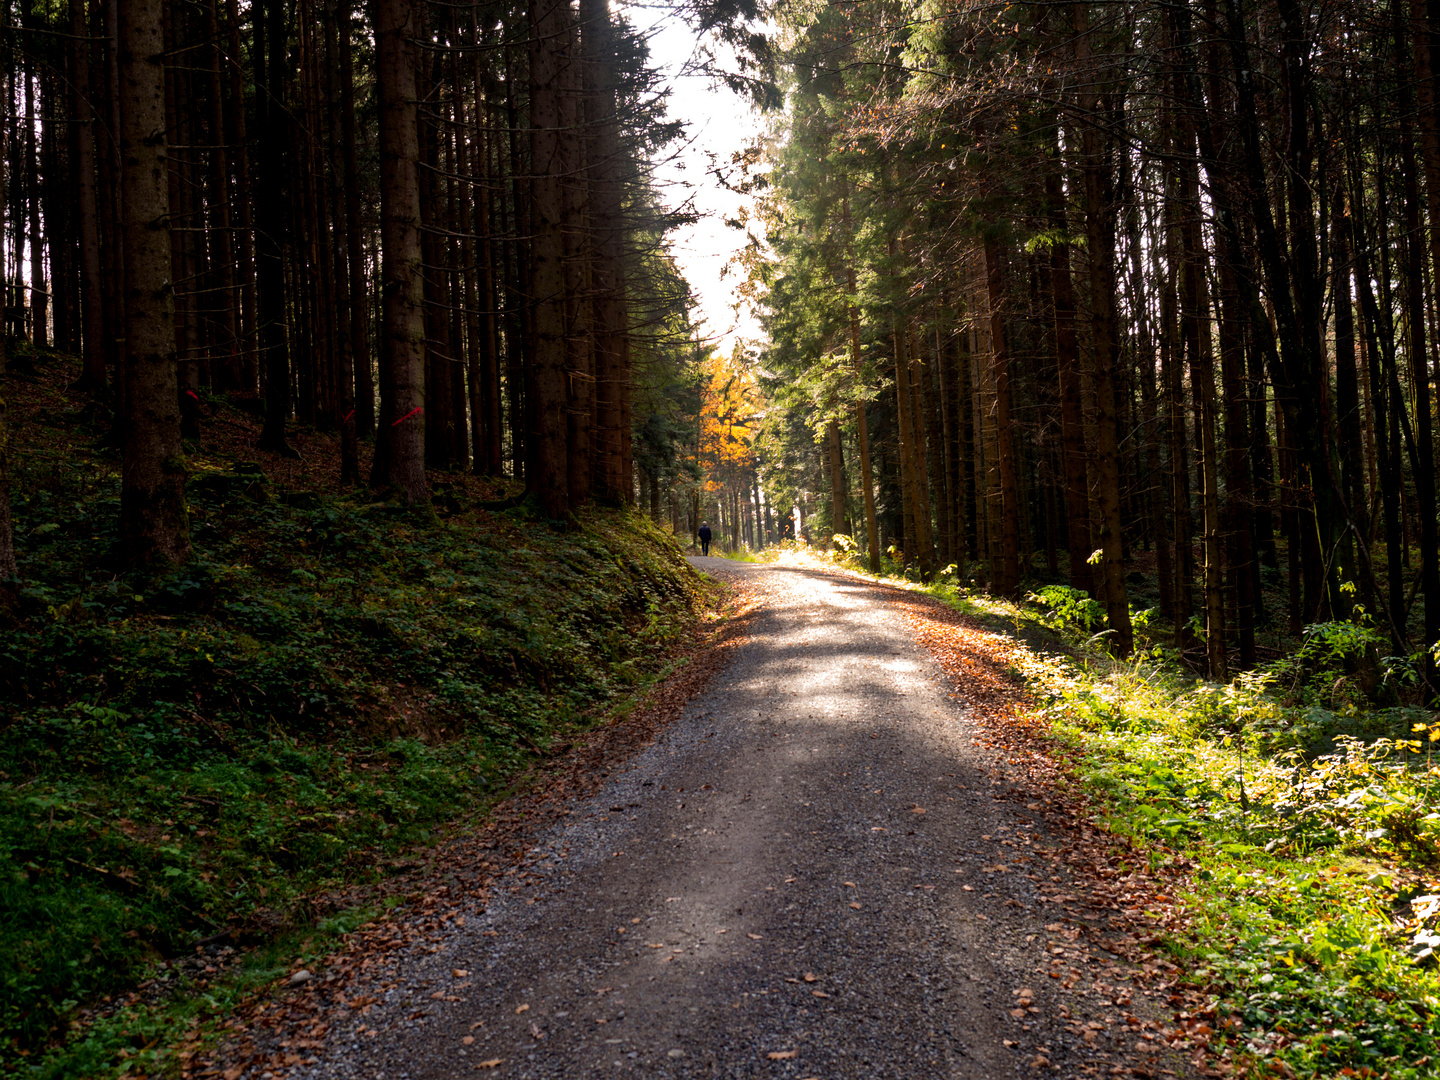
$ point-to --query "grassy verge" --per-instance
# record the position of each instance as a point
(1310, 814)
(188, 760)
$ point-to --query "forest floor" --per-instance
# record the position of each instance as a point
(211, 771)
(847, 856)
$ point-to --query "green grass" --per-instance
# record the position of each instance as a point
(328, 683)
(1315, 848)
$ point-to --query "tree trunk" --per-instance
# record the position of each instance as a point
(400, 448)
(1423, 475)
(607, 165)
(545, 441)
(1100, 238)
(270, 222)
(916, 528)
(1387, 404)
(839, 496)
(862, 423)
(92, 338)
(575, 240)
(1202, 378)
(1347, 410)
(1072, 421)
(244, 219)
(440, 362)
(224, 346)
(343, 261)
(39, 291)
(359, 308)
(1007, 575)
(1239, 491)
(153, 521)
(9, 568)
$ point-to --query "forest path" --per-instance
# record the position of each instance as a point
(804, 876)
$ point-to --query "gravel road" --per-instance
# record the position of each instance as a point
(795, 880)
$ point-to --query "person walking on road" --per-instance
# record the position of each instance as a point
(704, 535)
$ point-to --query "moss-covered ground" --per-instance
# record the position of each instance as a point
(200, 757)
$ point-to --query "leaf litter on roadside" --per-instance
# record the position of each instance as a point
(264, 1031)
(1113, 917)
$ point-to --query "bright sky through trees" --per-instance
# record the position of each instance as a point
(721, 124)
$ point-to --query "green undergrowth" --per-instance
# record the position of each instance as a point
(1311, 816)
(1316, 837)
(329, 682)
(1313, 823)
(183, 1008)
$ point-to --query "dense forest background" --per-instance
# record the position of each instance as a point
(430, 229)
(342, 344)
(1136, 298)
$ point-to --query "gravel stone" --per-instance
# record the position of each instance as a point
(775, 888)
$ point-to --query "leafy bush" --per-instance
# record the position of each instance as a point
(1066, 607)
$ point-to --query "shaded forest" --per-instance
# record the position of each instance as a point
(345, 356)
(429, 229)
(1136, 298)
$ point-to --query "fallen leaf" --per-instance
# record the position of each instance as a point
(819, 994)
(754, 937)
(476, 1024)
(521, 1008)
(917, 810)
(460, 973)
(851, 885)
(535, 1032)
(968, 888)
(491, 1064)
(810, 976)
(855, 906)
(782, 1055)
(468, 1039)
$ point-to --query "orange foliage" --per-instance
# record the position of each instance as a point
(727, 415)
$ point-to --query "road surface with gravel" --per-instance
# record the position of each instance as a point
(797, 879)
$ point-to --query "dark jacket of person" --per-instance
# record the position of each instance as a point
(704, 533)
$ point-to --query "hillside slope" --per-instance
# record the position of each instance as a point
(325, 684)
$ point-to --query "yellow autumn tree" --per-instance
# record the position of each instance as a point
(729, 407)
